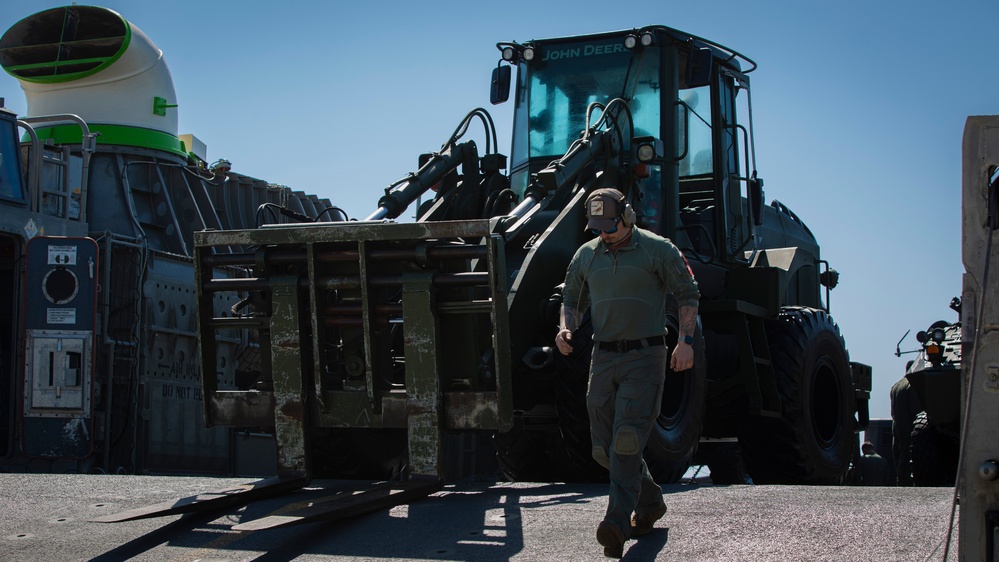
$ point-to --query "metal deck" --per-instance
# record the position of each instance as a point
(50, 517)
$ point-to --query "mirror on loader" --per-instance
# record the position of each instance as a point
(756, 201)
(499, 87)
(699, 66)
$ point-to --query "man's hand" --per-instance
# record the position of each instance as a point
(682, 357)
(562, 340)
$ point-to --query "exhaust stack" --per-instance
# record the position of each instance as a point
(90, 61)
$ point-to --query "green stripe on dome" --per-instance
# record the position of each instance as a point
(120, 135)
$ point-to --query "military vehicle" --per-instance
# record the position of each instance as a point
(384, 344)
(98, 205)
(934, 377)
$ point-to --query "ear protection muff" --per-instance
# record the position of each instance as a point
(628, 216)
(627, 213)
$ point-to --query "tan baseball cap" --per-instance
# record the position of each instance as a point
(603, 209)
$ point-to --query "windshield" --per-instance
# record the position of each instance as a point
(570, 76)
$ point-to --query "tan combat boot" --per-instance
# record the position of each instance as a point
(642, 524)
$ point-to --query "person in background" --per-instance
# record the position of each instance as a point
(872, 468)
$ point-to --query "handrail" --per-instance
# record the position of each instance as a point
(89, 144)
(737, 127)
(34, 176)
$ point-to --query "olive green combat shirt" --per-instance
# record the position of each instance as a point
(627, 290)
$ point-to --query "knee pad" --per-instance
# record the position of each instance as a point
(600, 456)
(626, 441)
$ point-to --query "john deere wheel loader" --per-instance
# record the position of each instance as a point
(382, 340)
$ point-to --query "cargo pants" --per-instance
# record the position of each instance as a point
(624, 399)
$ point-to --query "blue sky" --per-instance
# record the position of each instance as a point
(859, 109)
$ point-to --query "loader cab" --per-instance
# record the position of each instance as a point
(685, 91)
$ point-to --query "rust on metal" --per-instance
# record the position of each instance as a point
(289, 418)
(293, 409)
(471, 410)
(354, 231)
(250, 408)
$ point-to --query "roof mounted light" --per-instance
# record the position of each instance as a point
(645, 39)
(514, 53)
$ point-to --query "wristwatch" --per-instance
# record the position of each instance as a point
(689, 340)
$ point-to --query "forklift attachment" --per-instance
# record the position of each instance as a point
(239, 495)
(348, 504)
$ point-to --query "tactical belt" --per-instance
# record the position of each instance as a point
(622, 346)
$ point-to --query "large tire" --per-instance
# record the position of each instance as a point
(673, 438)
(933, 454)
(559, 452)
(523, 454)
(810, 443)
(571, 383)
(677, 431)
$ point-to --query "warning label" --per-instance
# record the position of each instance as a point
(62, 255)
(61, 316)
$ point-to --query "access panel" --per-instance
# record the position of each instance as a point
(60, 313)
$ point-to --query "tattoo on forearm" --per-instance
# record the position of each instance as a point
(570, 318)
(688, 320)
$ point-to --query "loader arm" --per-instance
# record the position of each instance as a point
(403, 193)
(472, 194)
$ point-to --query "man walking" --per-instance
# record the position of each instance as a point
(624, 277)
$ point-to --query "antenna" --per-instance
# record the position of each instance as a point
(898, 346)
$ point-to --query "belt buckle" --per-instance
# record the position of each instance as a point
(621, 346)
